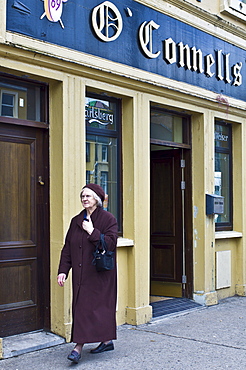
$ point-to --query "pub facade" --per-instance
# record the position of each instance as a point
(147, 99)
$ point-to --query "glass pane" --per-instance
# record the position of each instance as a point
(222, 136)
(7, 111)
(7, 104)
(166, 127)
(101, 167)
(26, 99)
(100, 114)
(8, 99)
(222, 184)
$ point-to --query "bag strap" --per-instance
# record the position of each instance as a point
(103, 250)
(103, 243)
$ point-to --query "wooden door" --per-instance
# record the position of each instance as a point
(24, 244)
(166, 223)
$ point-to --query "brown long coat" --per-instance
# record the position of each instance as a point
(94, 293)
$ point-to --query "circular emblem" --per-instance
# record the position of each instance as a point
(107, 21)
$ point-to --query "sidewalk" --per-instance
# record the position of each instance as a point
(210, 338)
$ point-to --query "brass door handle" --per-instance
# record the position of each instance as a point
(40, 180)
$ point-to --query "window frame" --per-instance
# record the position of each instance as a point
(117, 134)
(16, 83)
(234, 8)
(226, 226)
(186, 128)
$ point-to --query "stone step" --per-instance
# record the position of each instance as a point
(16, 345)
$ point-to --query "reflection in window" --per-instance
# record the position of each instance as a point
(104, 153)
(100, 114)
(102, 172)
(223, 172)
(102, 149)
(88, 149)
(9, 104)
(168, 126)
(88, 174)
(104, 181)
(22, 100)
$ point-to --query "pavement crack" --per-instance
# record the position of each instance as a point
(192, 339)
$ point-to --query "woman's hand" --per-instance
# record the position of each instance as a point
(88, 226)
(61, 278)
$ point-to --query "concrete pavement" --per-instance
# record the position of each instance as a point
(209, 338)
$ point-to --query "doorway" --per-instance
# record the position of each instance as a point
(166, 223)
(171, 249)
(24, 228)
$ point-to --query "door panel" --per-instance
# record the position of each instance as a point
(166, 222)
(162, 169)
(22, 249)
(16, 198)
(163, 261)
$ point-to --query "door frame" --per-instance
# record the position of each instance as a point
(188, 225)
(45, 236)
(42, 216)
(187, 288)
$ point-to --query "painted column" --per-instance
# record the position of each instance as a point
(67, 157)
(203, 226)
(239, 191)
(137, 211)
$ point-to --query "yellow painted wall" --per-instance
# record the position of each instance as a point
(232, 245)
(236, 244)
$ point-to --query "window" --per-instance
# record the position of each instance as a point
(223, 172)
(21, 99)
(104, 153)
(88, 152)
(169, 128)
(103, 159)
(104, 181)
(9, 103)
(236, 8)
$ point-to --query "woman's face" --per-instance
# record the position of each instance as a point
(88, 201)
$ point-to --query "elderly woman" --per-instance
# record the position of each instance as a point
(94, 293)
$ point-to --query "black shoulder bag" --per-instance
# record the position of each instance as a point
(103, 259)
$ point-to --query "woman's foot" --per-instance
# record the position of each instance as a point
(78, 348)
(103, 346)
(75, 355)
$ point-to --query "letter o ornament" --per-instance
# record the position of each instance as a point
(102, 20)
